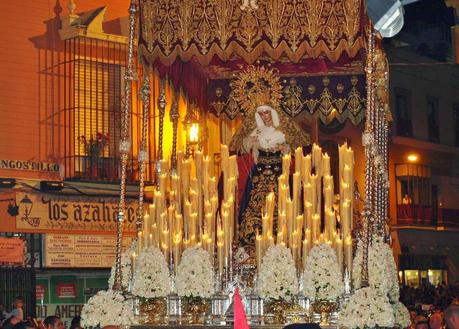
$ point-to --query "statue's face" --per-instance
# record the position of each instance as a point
(266, 117)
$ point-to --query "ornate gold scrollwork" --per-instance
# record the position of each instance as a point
(292, 99)
(204, 28)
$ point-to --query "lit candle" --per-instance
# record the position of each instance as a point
(296, 193)
(345, 219)
(348, 253)
(339, 252)
(317, 158)
(258, 249)
(298, 159)
(139, 242)
(177, 240)
(286, 165)
(306, 169)
(133, 258)
(315, 230)
(220, 256)
(326, 164)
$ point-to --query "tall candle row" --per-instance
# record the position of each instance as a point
(300, 220)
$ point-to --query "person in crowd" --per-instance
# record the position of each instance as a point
(3, 313)
(18, 305)
(452, 316)
(10, 322)
(436, 320)
(420, 322)
(75, 324)
(53, 322)
(25, 325)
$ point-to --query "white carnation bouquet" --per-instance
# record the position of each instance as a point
(322, 275)
(107, 307)
(367, 309)
(151, 275)
(125, 268)
(401, 315)
(277, 276)
(195, 275)
(382, 273)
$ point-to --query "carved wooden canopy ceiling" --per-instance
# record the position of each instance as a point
(213, 40)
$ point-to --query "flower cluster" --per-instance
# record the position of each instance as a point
(151, 274)
(401, 315)
(322, 275)
(107, 307)
(277, 277)
(382, 274)
(367, 309)
(94, 146)
(195, 275)
(125, 268)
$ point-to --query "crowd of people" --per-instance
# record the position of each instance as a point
(432, 307)
(16, 320)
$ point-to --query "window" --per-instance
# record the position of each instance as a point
(432, 120)
(403, 112)
(93, 72)
(413, 193)
(456, 124)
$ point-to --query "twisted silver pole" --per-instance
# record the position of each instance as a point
(125, 143)
(145, 92)
(368, 140)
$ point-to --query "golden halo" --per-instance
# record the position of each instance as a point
(257, 86)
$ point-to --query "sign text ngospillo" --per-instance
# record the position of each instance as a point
(29, 165)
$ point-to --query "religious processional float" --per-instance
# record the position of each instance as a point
(184, 265)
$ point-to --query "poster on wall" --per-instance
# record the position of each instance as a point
(12, 251)
(69, 250)
(48, 212)
(65, 295)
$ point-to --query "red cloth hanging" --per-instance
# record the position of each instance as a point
(240, 321)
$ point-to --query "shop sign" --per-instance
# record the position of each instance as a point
(29, 165)
(66, 290)
(68, 250)
(40, 292)
(54, 294)
(12, 251)
(49, 212)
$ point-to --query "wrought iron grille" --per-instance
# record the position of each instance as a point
(93, 95)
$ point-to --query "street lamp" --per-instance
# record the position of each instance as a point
(27, 204)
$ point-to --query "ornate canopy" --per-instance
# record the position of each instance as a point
(315, 45)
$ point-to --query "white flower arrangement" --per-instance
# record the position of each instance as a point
(151, 274)
(277, 276)
(401, 315)
(366, 308)
(107, 307)
(125, 268)
(322, 275)
(382, 273)
(195, 275)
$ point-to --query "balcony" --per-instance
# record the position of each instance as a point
(428, 216)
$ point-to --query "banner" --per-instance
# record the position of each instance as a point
(64, 295)
(12, 251)
(48, 212)
(67, 250)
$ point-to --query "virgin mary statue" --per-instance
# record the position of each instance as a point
(265, 135)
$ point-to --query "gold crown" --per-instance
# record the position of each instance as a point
(257, 86)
